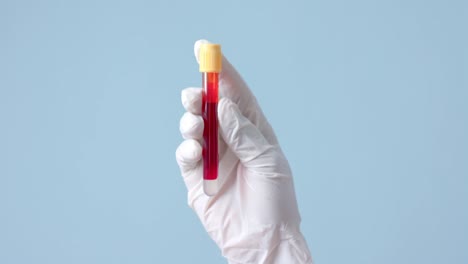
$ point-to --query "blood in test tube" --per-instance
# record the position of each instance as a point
(210, 58)
(210, 132)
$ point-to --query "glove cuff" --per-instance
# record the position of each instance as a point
(277, 245)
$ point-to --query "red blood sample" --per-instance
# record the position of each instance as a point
(210, 132)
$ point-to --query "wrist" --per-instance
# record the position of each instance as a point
(277, 245)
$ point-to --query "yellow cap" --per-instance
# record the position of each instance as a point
(210, 57)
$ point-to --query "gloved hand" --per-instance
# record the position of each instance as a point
(254, 216)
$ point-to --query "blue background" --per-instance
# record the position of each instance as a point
(368, 98)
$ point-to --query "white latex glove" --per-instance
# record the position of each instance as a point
(254, 216)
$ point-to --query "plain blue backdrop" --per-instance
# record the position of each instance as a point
(368, 98)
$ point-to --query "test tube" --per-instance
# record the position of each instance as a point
(210, 58)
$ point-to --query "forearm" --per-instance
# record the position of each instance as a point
(288, 248)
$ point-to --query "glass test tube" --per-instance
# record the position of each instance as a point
(210, 65)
